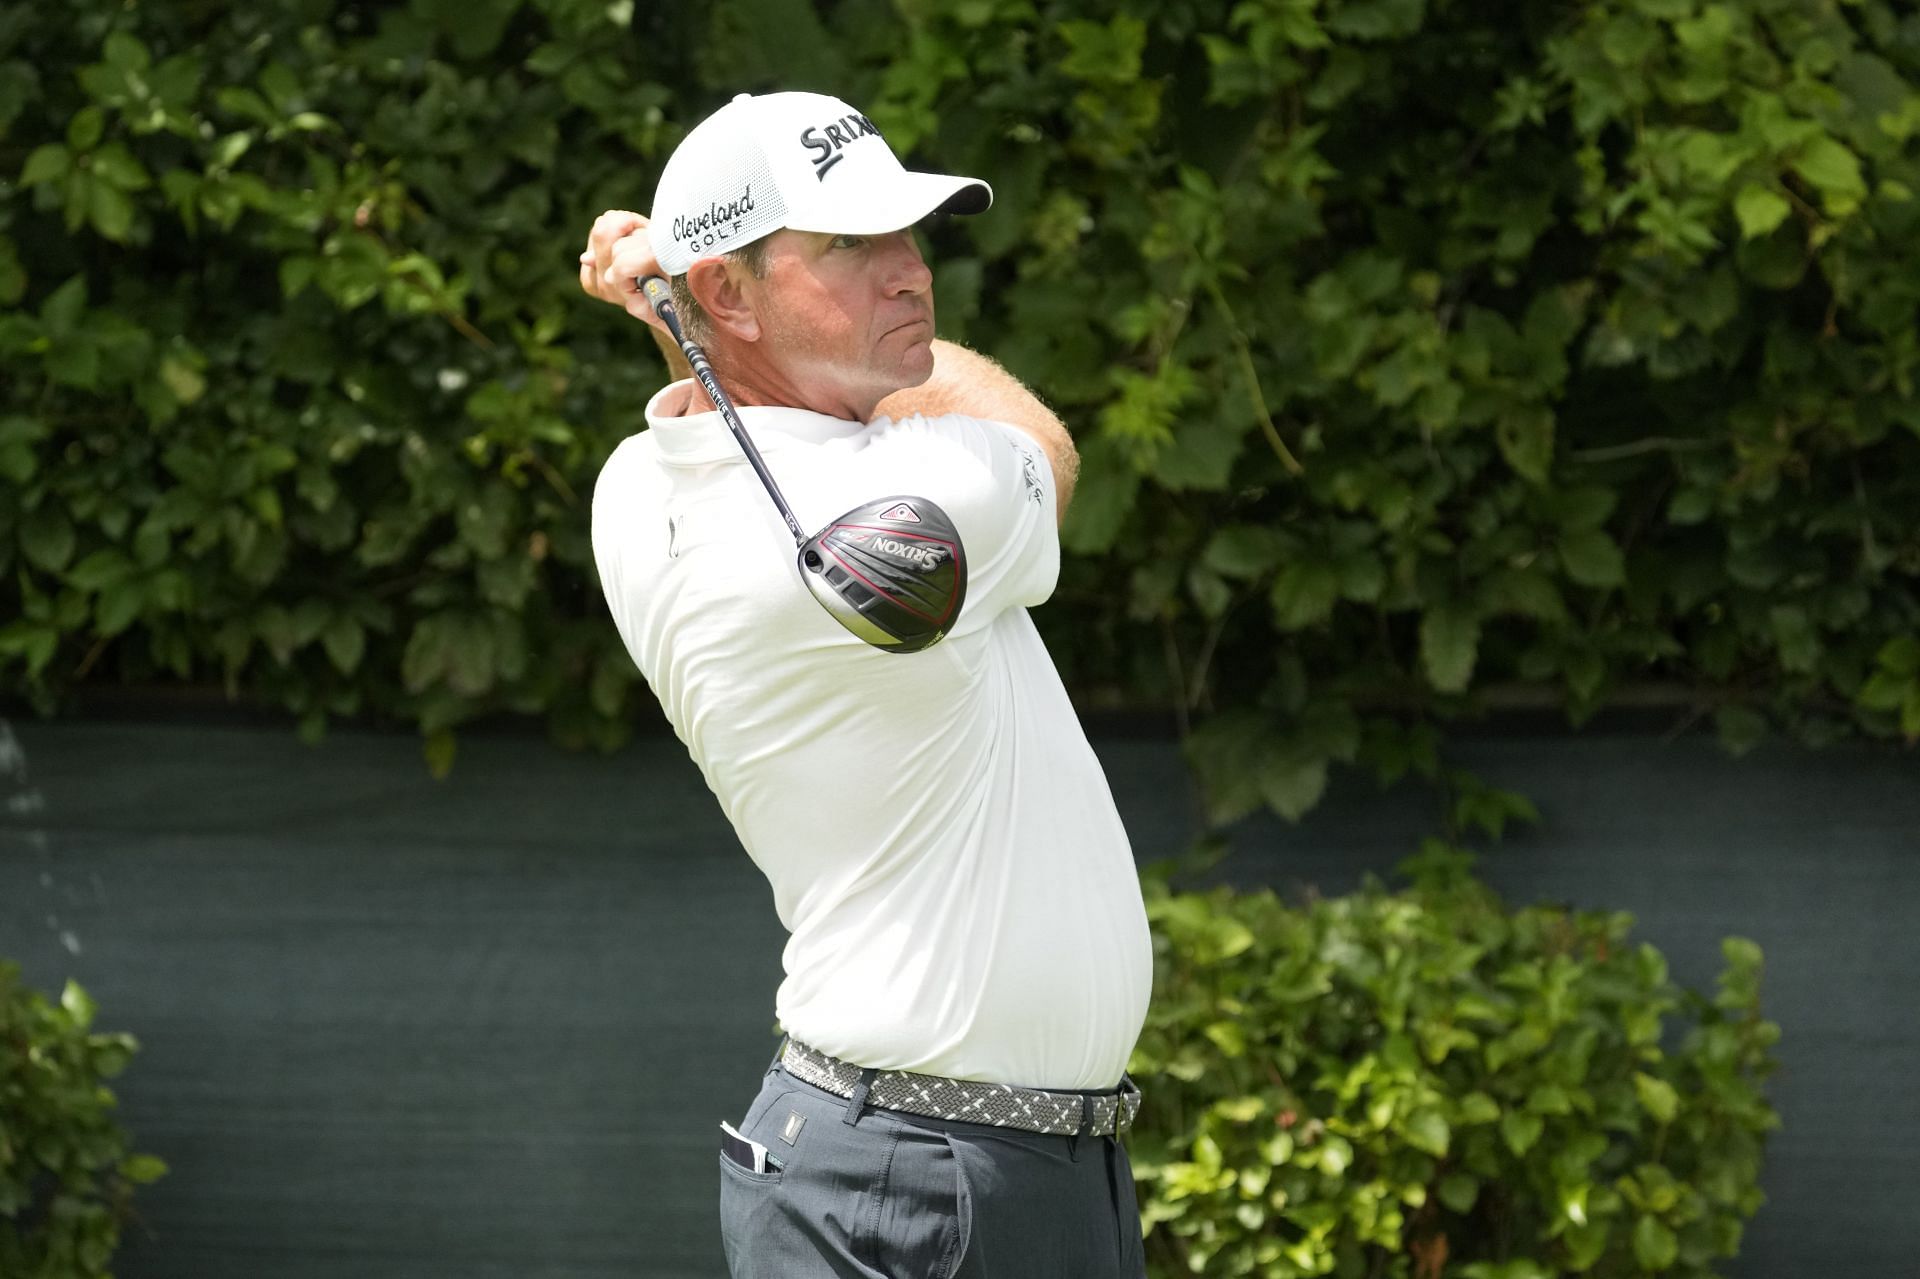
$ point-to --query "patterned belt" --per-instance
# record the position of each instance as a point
(1062, 1114)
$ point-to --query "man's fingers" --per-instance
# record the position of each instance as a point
(619, 253)
(608, 230)
(631, 261)
(611, 226)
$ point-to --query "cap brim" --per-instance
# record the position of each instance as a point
(907, 199)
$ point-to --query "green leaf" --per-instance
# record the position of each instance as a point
(183, 379)
(85, 128)
(117, 165)
(78, 1003)
(1102, 500)
(345, 640)
(74, 361)
(228, 150)
(1107, 53)
(1304, 594)
(1244, 550)
(439, 749)
(47, 537)
(142, 1169)
(19, 85)
(62, 310)
(1228, 1036)
(1521, 1129)
(1760, 210)
(1795, 638)
(1657, 1096)
(1528, 592)
(119, 605)
(1292, 782)
(1362, 576)
(1900, 655)
(1222, 750)
(101, 569)
(1584, 507)
(1427, 1130)
(110, 211)
(470, 658)
(1525, 436)
(1549, 1099)
(1459, 1191)
(1449, 645)
(1835, 171)
(1654, 1245)
(1592, 558)
(48, 162)
(36, 642)
(1691, 506)
(1478, 1108)
(125, 51)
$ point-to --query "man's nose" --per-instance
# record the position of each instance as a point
(906, 271)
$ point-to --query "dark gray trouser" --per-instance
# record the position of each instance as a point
(898, 1196)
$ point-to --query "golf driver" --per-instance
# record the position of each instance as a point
(891, 571)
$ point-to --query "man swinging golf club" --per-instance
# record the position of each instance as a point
(969, 963)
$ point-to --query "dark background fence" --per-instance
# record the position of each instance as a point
(486, 1026)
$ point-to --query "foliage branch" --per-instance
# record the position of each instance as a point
(66, 1176)
(1425, 1082)
(1418, 350)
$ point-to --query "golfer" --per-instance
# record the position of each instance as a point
(969, 964)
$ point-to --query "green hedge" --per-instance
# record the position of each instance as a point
(1406, 1084)
(66, 1176)
(1415, 349)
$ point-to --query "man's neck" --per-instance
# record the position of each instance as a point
(746, 389)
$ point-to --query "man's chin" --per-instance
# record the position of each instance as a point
(917, 361)
(918, 367)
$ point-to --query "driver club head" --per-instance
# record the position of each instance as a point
(891, 571)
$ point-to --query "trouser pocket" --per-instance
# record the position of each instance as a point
(923, 1208)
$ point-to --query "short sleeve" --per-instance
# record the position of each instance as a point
(618, 537)
(994, 481)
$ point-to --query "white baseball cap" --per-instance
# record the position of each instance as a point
(800, 160)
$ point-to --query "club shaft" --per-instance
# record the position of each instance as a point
(661, 297)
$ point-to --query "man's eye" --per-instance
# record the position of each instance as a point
(848, 241)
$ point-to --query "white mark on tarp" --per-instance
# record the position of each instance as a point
(25, 798)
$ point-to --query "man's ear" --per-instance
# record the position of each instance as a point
(716, 286)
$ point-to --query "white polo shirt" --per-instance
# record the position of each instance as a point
(941, 842)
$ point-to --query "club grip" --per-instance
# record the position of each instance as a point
(660, 297)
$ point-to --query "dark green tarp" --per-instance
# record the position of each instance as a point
(393, 1027)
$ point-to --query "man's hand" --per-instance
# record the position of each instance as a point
(618, 254)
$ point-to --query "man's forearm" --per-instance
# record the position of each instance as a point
(967, 382)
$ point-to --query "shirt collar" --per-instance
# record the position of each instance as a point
(700, 438)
